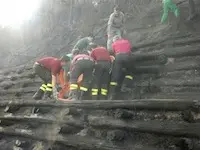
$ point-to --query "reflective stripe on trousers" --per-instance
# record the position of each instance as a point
(113, 83)
(104, 92)
(129, 77)
(73, 86)
(43, 87)
(94, 92)
(83, 89)
(49, 87)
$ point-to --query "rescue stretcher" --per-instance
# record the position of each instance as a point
(65, 87)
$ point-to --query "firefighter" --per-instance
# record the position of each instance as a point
(102, 60)
(122, 52)
(82, 63)
(168, 5)
(115, 26)
(47, 69)
(83, 44)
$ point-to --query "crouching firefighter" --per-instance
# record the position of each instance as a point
(82, 63)
(47, 69)
(122, 52)
(101, 74)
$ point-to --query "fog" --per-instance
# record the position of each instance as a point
(13, 13)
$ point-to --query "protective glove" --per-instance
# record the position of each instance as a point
(55, 93)
(112, 59)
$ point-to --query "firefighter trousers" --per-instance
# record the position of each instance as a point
(85, 67)
(121, 69)
(46, 77)
(169, 5)
(101, 80)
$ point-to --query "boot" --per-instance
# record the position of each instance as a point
(94, 93)
(82, 95)
(112, 92)
(127, 85)
(38, 95)
(103, 97)
(73, 95)
(47, 95)
(192, 17)
(126, 88)
(94, 97)
(112, 96)
(103, 93)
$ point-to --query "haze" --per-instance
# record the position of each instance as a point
(14, 13)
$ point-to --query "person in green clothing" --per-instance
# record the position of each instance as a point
(83, 44)
(168, 5)
(66, 67)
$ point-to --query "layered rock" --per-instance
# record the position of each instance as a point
(160, 112)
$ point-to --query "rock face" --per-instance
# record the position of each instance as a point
(161, 111)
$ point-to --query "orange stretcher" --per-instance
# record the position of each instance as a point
(65, 88)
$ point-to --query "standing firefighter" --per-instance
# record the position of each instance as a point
(122, 51)
(115, 26)
(47, 69)
(82, 63)
(83, 44)
(101, 74)
(168, 5)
